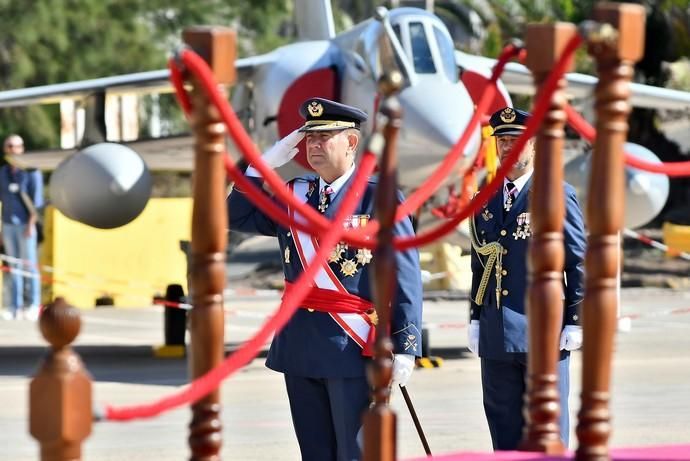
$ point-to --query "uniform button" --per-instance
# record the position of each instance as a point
(505, 251)
(503, 232)
(310, 309)
(504, 292)
(288, 234)
(504, 272)
(575, 317)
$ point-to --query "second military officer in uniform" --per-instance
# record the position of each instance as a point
(498, 325)
(321, 351)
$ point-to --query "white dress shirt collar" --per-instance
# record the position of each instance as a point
(338, 183)
(519, 183)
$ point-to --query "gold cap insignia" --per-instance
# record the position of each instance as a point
(315, 109)
(508, 115)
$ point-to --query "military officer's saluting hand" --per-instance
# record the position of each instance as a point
(280, 153)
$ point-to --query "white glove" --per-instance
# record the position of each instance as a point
(473, 337)
(282, 152)
(403, 364)
(571, 337)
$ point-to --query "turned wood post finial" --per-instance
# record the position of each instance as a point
(60, 411)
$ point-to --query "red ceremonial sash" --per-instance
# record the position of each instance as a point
(353, 319)
(335, 302)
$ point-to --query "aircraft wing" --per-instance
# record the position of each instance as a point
(518, 79)
(155, 81)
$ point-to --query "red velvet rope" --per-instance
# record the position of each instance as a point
(210, 381)
(359, 237)
(540, 108)
(260, 199)
(587, 131)
(195, 64)
(434, 181)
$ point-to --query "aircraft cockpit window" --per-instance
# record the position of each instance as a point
(446, 50)
(422, 59)
(396, 29)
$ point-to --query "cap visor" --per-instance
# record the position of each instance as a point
(508, 133)
(325, 128)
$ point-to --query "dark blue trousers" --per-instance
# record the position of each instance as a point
(327, 414)
(503, 387)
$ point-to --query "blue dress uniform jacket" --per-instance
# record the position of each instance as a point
(503, 330)
(503, 334)
(312, 344)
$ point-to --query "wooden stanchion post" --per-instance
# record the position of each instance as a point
(380, 420)
(60, 414)
(209, 236)
(545, 44)
(615, 49)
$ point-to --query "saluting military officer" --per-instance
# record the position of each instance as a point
(498, 325)
(323, 350)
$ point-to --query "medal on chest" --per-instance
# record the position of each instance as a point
(348, 265)
(523, 231)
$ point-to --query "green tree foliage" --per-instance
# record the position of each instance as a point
(54, 41)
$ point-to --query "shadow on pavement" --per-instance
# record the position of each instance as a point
(136, 364)
(121, 364)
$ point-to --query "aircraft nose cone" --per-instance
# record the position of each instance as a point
(435, 115)
(646, 193)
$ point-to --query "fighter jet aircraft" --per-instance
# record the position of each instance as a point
(440, 88)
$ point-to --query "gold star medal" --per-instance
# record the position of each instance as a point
(348, 267)
(337, 252)
(363, 256)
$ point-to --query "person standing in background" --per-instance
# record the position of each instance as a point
(497, 332)
(21, 194)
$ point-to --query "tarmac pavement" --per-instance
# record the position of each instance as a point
(651, 384)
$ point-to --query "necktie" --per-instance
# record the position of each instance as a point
(511, 192)
(325, 198)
